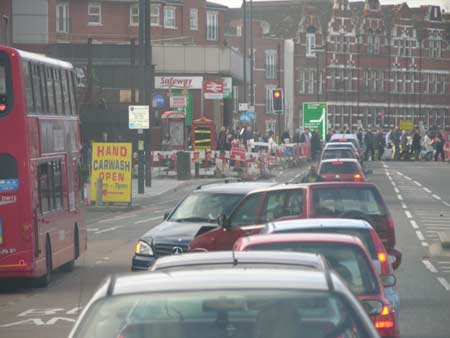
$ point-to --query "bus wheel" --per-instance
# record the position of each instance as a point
(69, 266)
(45, 280)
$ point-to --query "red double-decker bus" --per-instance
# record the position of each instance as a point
(42, 225)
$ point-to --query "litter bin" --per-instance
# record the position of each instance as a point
(183, 165)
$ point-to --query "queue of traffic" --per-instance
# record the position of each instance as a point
(263, 260)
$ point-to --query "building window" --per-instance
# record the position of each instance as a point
(235, 99)
(134, 15)
(193, 19)
(94, 13)
(62, 17)
(370, 43)
(271, 64)
(435, 48)
(271, 125)
(155, 15)
(212, 26)
(310, 42)
(302, 84)
(269, 99)
(310, 81)
(376, 44)
(169, 17)
(239, 30)
(320, 82)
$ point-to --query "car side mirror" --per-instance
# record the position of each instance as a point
(388, 281)
(166, 215)
(223, 221)
(395, 258)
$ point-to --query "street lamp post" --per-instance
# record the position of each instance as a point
(5, 20)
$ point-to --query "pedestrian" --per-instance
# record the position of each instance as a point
(312, 176)
(380, 143)
(329, 135)
(359, 136)
(428, 148)
(395, 139)
(316, 145)
(439, 145)
(404, 145)
(221, 139)
(416, 146)
(272, 143)
(307, 134)
(370, 143)
(285, 137)
(296, 138)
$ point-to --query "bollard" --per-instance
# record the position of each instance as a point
(99, 192)
(197, 169)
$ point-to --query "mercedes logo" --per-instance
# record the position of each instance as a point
(177, 250)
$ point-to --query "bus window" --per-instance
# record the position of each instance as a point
(6, 93)
(57, 181)
(44, 188)
(28, 87)
(58, 91)
(37, 88)
(65, 90)
(50, 91)
(50, 186)
(45, 105)
(8, 173)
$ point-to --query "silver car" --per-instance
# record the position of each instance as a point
(269, 300)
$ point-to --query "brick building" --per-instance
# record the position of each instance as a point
(188, 47)
(374, 65)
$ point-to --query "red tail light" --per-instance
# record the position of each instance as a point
(337, 163)
(2, 107)
(385, 322)
(357, 178)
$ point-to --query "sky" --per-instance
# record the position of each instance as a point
(412, 3)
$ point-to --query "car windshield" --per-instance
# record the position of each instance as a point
(338, 201)
(222, 313)
(347, 260)
(338, 167)
(337, 153)
(205, 206)
(362, 234)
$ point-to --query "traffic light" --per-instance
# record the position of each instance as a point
(277, 100)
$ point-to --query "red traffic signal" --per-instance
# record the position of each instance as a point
(277, 100)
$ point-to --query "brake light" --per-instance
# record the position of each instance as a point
(357, 178)
(337, 163)
(2, 107)
(382, 257)
(384, 321)
(343, 140)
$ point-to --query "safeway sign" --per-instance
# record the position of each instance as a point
(213, 90)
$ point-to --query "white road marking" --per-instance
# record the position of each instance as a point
(396, 190)
(424, 243)
(420, 235)
(443, 262)
(417, 183)
(434, 227)
(404, 205)
(148, 220)
(446, 204)
(408, 214)
(398, 172)
(92, 229)
(99, 262)
(436, 197)
(427, 190)
(108, 229)
(414, 224)
(400, 197)
(408, 178)
(429, 266)
(444, 283)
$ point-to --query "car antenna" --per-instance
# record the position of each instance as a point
(235, 260)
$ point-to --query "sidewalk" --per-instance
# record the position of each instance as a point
(161, 186)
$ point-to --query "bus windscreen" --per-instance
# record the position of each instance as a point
(5, 84)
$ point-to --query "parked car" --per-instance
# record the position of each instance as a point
(265, 302)
(195, 213)
(297, 201)
(348, 170)
(354, 227)
(349, 258)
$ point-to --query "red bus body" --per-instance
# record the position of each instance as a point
(39, 128)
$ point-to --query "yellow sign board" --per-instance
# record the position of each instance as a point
(407, 125)
(112, 162)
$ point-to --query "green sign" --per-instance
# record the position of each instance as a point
(227, 88)
(315, 116)
(187, 110)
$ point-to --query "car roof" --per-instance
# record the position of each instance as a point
(217, 279)
(360, 185)
(331, 160)
(233, 187)
(331, 238)
(347, 136)
(233, 259)
(324, 223)
(333, 148)
(337, 144)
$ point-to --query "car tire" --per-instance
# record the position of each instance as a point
(44, 281)
(69, 266)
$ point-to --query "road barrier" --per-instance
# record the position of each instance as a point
(237, 162)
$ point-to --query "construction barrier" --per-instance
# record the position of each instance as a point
(237, 162)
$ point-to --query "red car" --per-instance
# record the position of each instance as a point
(348, 170)
(295, 201)
(349, 258)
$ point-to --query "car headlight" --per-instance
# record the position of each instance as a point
(143, 248)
